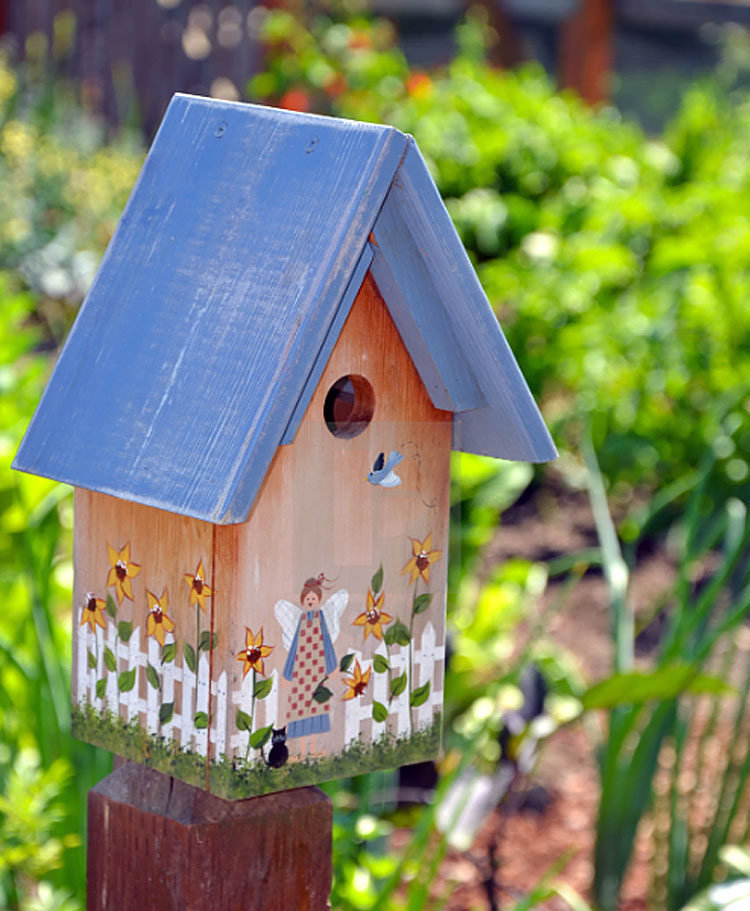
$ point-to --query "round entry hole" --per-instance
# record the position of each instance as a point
(349, 406)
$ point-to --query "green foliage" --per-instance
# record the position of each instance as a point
(31, 811)
(701, 623)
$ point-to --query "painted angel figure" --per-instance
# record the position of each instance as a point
(308, 634)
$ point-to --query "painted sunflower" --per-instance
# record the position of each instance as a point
(199, 590)
(374, 617)
(92, 612)
(254, 652)
(158, 623)
(357, 683)
(423, 556)
(121, 572)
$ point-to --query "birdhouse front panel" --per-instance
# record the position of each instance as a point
(305, 643)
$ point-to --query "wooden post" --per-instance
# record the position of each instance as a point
(586, 50)
(157, 844)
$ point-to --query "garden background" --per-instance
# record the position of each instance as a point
(598, 691)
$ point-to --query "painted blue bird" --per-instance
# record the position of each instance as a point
(382, 473)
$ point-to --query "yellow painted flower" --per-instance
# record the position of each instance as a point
(357, 683)
(374, 618)
(157, 622)
(199, 590)
(92, 612)
(121, 572)
(423, 556)
(254, 652)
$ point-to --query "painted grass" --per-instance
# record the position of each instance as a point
(237, 778)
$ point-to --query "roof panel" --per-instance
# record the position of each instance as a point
(218, 287)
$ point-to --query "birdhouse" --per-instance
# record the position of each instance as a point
(256, 407)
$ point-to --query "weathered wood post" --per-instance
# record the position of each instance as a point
(157, 844)
(257, 406)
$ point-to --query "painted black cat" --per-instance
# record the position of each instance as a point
(278, 753)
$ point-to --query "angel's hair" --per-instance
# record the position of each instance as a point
(314, 585)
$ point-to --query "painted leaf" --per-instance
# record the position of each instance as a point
(420, 695)
(322, 694)
(260, 737)
(346, 662)
(262, 688)
(398, 685)
(109, 659)
(207, 641)
(189, 652)
(125, 630)
(126, 681)
(111, 607)
(168, 652)
(398, 634)
(380, 664)
(152, 676)
(379, 711)
(101, 686)
(200, 721)
(422, 602)
(166, 711)
(377, 581)
(91, 659)
(243, 721)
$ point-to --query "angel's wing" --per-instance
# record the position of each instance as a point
(288, 616)
(332, 611)
(390, 480)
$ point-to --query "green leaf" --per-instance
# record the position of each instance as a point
(152, 676)
(168, 652)
(125, 630)
(101, 686)
(663, 684)
(380, 664)
(189, 652)
(111, 607)
(379, 711)
(398, 685)
(346, 662)
(200, 721)
(126, 681)
(322, 694)
(398, 634)
(243, 721)
(420, 695)
(110, 662)
(262, 688)
(376, 582)
(166, 711)
(91, 659)
(421, 603)
(260, 737)
(207, 641)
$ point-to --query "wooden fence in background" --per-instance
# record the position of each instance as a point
(130, 56)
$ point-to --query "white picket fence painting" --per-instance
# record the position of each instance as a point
(358, 720)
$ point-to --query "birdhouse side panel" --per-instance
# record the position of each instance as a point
(338, 622)
(143, 640)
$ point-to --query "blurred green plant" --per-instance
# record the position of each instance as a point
(650, 713)
(63, 184)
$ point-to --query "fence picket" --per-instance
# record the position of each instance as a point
(152, 695)
(219, 718)
(201, 705)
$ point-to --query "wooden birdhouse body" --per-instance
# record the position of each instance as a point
(281, 348)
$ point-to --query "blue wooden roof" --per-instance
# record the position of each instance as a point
(224, 289)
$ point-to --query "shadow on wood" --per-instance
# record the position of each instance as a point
(157, 843)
